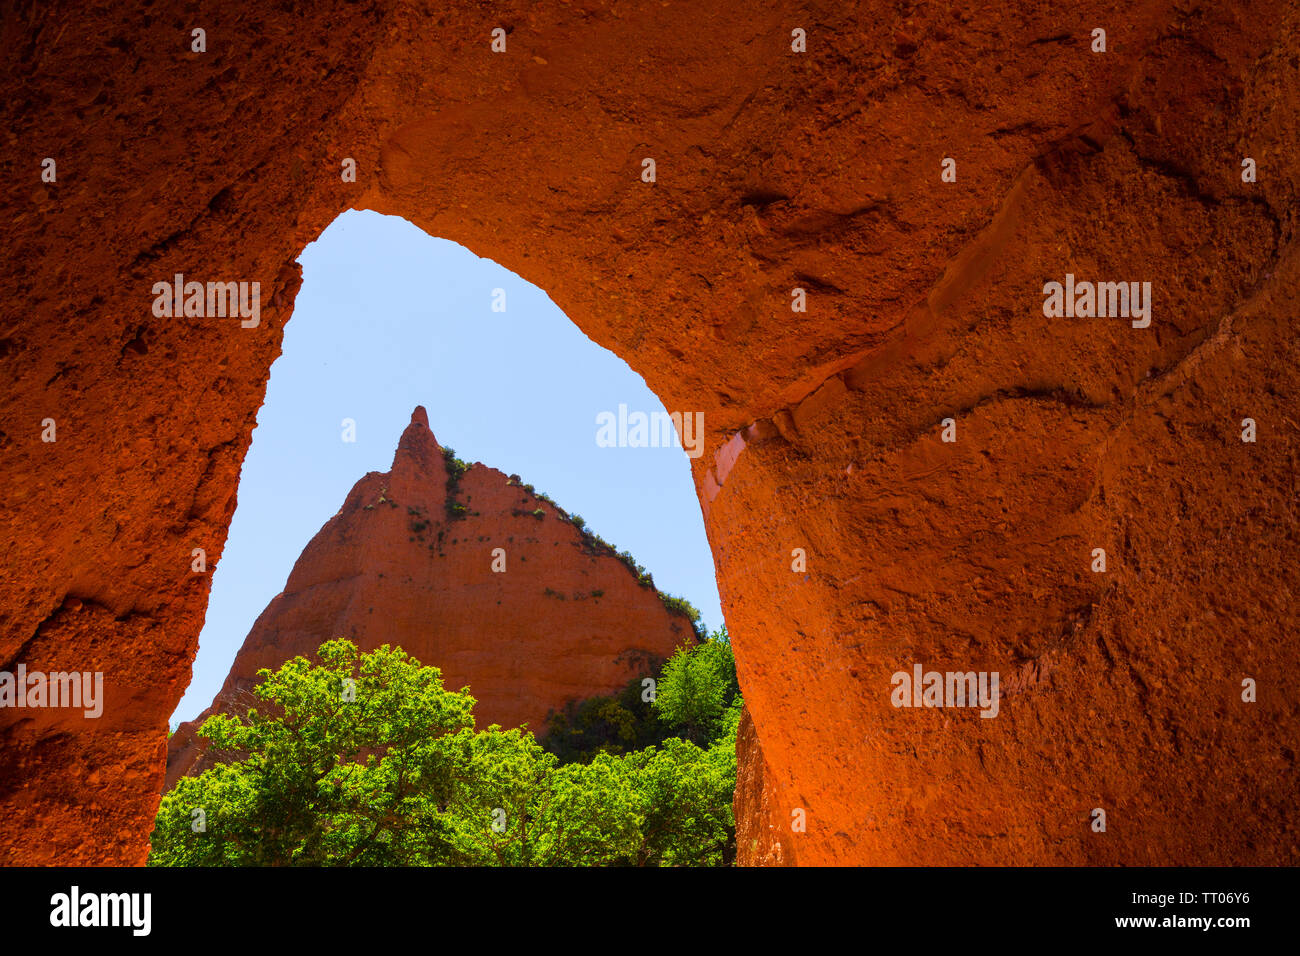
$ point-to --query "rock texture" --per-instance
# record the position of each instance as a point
(775, 170)
(765, 821)
(564, 620)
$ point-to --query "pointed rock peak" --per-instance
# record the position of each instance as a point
(418, 441)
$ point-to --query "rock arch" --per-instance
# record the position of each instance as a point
(775, 170)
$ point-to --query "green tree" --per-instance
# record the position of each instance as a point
(660, 806)
(614, 724)
(366, 759)
(363, 759)
(697, 687)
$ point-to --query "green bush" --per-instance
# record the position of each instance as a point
(455, 471)
(684, 607)
(367, 760)
(697, 690)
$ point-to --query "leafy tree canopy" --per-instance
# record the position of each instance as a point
(366, 759)
(697, 689)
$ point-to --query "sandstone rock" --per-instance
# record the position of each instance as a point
(564, 621)
(776, 170)
(764, 834)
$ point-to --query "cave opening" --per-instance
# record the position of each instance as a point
(390, 319)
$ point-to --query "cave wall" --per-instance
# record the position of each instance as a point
(765, 827)
(775, 170)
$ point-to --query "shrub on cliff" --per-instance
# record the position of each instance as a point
(679, 605)
(456, 468)
(366, 759)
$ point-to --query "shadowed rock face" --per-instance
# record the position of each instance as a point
(765, 831)
(775, 170)
(561, 621)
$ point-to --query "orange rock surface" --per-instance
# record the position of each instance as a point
(775, 170)
(764, 826)
(562, 621)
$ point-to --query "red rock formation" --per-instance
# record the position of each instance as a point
(564, 621)
(765, 834)
(775, 170)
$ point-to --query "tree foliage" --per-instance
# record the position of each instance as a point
(697, 689)
(694, 689)
(366, 759)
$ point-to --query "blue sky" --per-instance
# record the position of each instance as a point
(389, 318)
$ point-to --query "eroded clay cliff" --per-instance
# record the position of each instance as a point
(472, 573)
(775, 170)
